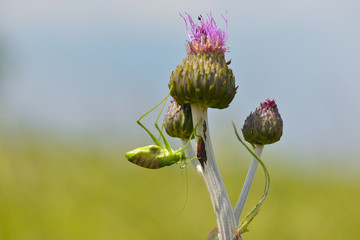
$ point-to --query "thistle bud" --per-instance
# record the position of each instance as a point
(264, 126)
(178, 120)
(204, 76)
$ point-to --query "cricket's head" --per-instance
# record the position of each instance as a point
(206, 37)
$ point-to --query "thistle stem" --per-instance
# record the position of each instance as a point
(247, 184)
(219, 198)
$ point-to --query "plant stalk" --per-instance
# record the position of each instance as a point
(247, 184)
(219, 198)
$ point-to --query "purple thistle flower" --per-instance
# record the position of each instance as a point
(207, 37)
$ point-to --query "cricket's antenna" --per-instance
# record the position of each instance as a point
(187, 192)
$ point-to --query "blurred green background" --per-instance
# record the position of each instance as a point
(55, 189)
(75, 75)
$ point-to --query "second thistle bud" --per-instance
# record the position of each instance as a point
(264, 126)
(178, 120)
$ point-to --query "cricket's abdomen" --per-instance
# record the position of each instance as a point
(152, 157)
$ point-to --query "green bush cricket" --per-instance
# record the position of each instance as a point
(161, 154)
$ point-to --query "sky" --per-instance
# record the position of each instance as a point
(94, 67)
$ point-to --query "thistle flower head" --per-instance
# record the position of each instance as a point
(206, 37)
(204, 76)
(264, 126)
